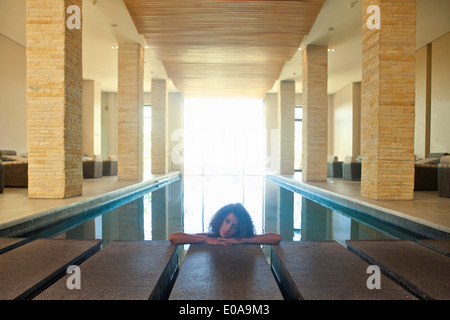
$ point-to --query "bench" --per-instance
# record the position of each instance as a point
(122, 270)
(7, 244)
(325, 270)
(29, 269)
(237, 272)
(439, 245)
(423, 271)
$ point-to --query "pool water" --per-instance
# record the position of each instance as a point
(188, 204)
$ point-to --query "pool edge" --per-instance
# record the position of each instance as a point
(396, 218)
(51, 216)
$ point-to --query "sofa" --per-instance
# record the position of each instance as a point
(444, 177)
(15, 169)
(8, 153)
(92, 167)
(426, 172)
(351, 168)
(110, 166)
(334, 168)
(16, 174)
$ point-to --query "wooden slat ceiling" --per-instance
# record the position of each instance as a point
(223, 48)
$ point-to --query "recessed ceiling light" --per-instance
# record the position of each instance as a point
(331, 49)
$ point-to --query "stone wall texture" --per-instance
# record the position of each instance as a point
(160, 127)
(387, 103)
(130, 101)
(54, 100)
(315, 111)
(286, 125)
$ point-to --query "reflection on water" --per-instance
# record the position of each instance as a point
(188, 204)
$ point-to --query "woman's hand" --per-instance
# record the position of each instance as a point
(184, 238)
(268, 238)
(218, 241)
(233, 240)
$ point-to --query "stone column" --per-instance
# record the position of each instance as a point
(130, 100)
(286, 126)
(388, 97)
(92, 118)
(54, 98)
(176, 131)
(315, 109)
(160, 128)
(272, 132)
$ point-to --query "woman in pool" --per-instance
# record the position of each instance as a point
(232, 224)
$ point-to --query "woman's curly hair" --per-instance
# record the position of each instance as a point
(246, 229)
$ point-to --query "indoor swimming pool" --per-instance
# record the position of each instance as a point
(188, 204)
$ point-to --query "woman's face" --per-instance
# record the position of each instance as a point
(229, 226)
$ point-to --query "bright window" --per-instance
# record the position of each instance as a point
(223, 137)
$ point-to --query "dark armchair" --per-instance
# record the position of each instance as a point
(351, 169)
(93, 167)
(426, 172)
(110, 166)
(14, 170)
(334, 168)
(16, 174)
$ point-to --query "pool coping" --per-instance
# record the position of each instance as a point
(48, 217)
(392, 217)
